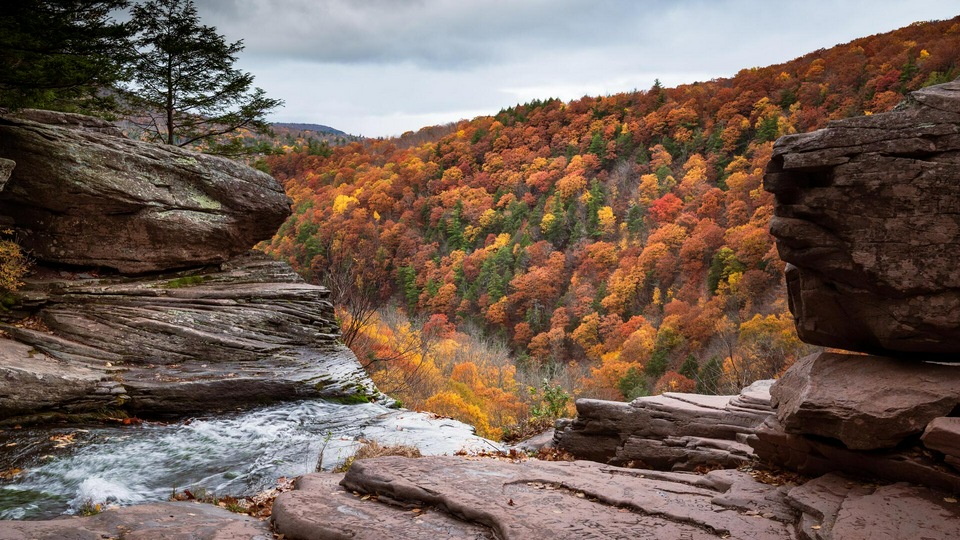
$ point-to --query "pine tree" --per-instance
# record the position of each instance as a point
(60, 54)
(185, 87)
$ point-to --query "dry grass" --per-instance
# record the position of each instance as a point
(373, 449)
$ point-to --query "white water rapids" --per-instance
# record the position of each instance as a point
(237, 454)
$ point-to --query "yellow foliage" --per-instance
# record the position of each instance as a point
(342, 202)
(547, 222)
(448, 403)
(13, 266)
(608, 221)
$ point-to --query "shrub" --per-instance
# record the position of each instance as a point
(14, 265)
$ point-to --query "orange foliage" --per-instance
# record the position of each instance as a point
(581, 231)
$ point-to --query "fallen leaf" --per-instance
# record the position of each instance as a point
(949, 499)
(815, 527)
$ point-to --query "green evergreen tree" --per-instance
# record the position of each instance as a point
(61, 54)
(185, 87)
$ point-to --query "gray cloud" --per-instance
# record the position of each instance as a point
(381, 67)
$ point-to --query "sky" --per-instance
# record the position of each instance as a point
(378, 68)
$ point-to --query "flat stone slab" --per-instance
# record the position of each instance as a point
(169, 521)
(320, 508)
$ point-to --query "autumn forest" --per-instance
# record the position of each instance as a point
(609, 247)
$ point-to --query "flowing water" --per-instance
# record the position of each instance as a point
(238, 454)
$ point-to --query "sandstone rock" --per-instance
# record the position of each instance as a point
(943, 435)
(813, 456)
(672, 431)
(820, 500)
(170, 521)
(868, 216)
(866, 402)
(82, 194)
(250, 331)
(320, 508)
(898, 511)
(540, 441)
(563, 500)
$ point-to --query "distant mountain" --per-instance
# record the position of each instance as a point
(319, 128)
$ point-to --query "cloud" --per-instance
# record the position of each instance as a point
(434, 34)
(381, 67)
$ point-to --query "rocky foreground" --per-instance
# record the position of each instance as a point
(479, 498)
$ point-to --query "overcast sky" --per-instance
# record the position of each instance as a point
(382, 67)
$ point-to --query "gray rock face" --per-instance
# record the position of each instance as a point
(868, 217)
(865, 402)
(671, 431)
(250, 331)
(82, 194)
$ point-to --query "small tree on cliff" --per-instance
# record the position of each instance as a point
(60, 54)
(185, 87)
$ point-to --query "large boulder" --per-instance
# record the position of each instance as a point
(82, 194)
(865, 402)
(868, 217)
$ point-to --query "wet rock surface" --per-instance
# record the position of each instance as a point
(248, 331)
(83, 194)
(672, 431)
(868, 217)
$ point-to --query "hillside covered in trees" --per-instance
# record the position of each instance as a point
(615, 245)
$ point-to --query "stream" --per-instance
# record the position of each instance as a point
(48, 472)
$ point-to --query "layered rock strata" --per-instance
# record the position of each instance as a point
(83, 194)
(868, 217)
(246, 332)
(672, 431)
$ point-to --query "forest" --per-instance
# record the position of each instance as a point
(611, 247)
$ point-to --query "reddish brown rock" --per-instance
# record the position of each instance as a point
(169, 521)
(563, 500)
(868, 217)
(672, 431)
(898, 511)
(865, 402)
(814, 456)
(320, 508)
(82, 194)
(943, 435)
